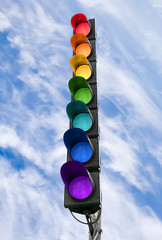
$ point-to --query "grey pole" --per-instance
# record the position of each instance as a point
(97, 228)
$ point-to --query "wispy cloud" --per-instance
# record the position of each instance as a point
(123, 213)
(124, 86)
(4, 22)
(35, 70)
(121, 152)
(30, 206)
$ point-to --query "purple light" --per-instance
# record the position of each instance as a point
(80, 187)
(76, 179)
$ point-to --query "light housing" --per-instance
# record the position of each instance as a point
(83, 147)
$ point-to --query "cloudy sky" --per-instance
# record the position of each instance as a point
(35, 54)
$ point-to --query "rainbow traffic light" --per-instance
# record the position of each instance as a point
(81, 172)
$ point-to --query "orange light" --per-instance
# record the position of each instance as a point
(80, 44)
(80, 65)
(83, 49)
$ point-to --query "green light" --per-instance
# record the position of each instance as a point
(80, 89)
(83, 121)
(84, 95)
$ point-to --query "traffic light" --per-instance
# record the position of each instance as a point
(81, 172)
(78, 144)
(80, 89)
(82, 148)
(81, 44)
(81, 66)
(80, 24)
(82, 188)
(77, 179)
(79, 115)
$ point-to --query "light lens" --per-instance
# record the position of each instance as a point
(84, 95)
(81, 152)
(84, 49)
(83, 28)
(80, 187)
(83, 121)
(83, 71)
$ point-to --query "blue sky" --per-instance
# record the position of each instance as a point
(35, 68)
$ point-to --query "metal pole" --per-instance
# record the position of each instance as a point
(96, 229)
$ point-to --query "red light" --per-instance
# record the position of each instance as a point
(80, 24)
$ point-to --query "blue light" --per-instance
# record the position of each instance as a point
(83, 121)
(81, 151)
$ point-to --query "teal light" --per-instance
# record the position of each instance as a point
(83, 121)
(79, 115)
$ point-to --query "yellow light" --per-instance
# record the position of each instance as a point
(80, 65)
(80, 44)
(83, 71)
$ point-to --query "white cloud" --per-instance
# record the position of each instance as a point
(10, 139)
(122, 218)
(30, 207)
(4, 22)
(5, 67)
(27, 58)
(157, 4)
(157, 153)
(45, 158)
(124, 86)
(121, 151)
(137, 25)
